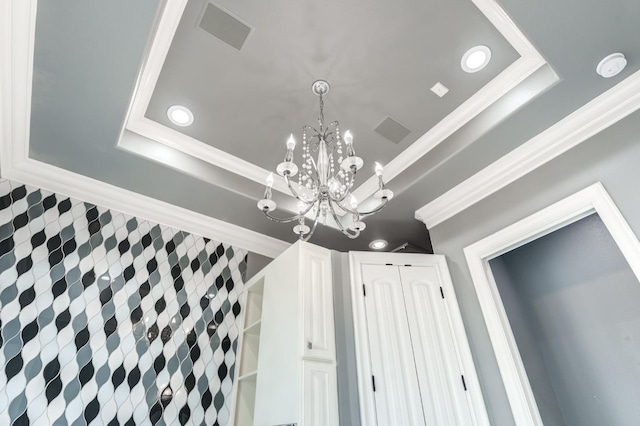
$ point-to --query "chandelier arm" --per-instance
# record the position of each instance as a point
(313, 228)
(292, 218)
(296, 195)
(305, 127)
(377, 209)
(364, 214)
(333, 134)
(342, 229)
(340, 200)
(281, 219)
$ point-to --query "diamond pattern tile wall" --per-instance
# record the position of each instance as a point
(106, 319)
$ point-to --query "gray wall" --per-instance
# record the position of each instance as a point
(572, 301)
(610, 157)
(348, 403)
(255, 263)
(520, 319)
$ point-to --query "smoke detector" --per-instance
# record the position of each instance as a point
(612, 65)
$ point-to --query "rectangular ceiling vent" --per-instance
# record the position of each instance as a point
(392, 130)
(222, 25)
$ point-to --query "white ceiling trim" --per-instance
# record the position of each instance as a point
(64, 182)
(193, 147)
(482, 99)
(17, 33)
(497, 16)
(595, 116)
(138, 123)
(165, 31)
(18, 19)
(530, 60)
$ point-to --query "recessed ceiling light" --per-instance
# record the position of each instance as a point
(377, 244)
(180, 116)
(476, 59)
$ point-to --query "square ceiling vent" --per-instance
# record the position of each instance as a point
(224, 26)
(392, 130)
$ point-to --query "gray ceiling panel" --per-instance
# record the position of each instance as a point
(380, 59)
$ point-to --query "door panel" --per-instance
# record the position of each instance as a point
(320, 401)
(397, 394)
(437, 359)
(319, 339)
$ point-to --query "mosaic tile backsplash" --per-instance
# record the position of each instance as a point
(106, 319)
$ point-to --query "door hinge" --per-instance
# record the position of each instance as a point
(388, 264)
(407, 265)
(441, 292)
(364, 290)
(373, 382)
(464, 384)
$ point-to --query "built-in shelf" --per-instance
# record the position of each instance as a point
(250, 348)
(253, 306)
(246, 401)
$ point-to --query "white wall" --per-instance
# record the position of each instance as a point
(348, 402)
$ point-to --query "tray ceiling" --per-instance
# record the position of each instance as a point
(381, 61)
(104, 74)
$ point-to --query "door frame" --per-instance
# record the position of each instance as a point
(593, 199)
(365, 393)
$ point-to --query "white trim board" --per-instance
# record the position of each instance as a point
(18, 37)
(589, 200)
(595, 116)
(366, 397)
(530, 60)
(71, 184)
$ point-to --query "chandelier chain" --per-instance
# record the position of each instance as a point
(321, 117)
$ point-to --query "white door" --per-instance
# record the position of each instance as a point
(317, 310)
(397, 394)
(442, 386)
(319, 398)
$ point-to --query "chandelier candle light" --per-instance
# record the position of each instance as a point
(324, 187)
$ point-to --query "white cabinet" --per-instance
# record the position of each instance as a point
(414, 362)
(292, 348)
(317, 299)
(319, 406)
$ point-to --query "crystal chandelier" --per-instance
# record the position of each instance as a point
(324, 185)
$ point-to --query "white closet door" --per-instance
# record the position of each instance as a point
(397, 395)
(437, 360)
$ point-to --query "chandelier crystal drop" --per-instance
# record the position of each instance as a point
(325, 178)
